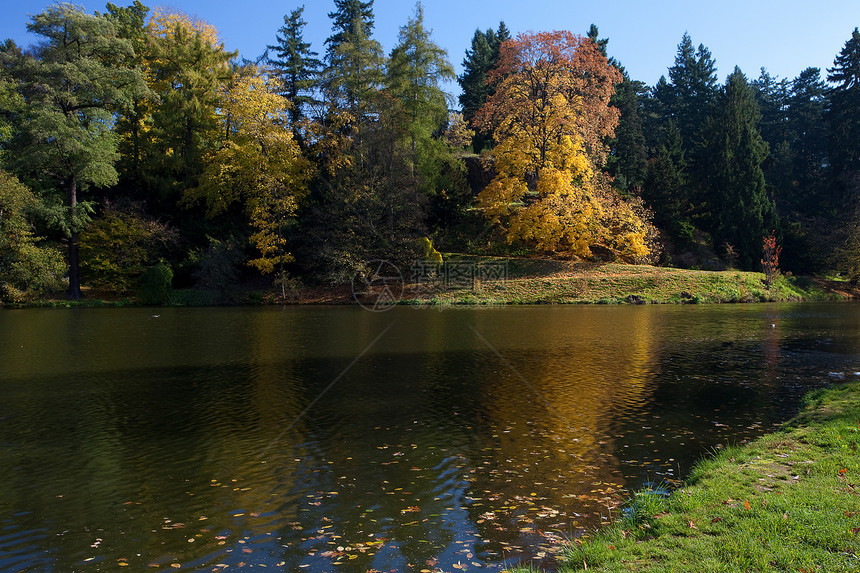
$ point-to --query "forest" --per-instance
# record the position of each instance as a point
(138, 155)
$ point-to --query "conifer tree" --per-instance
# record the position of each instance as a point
(295, 64)
(355, 61)
(480, 59)
(741, 209)
(843, 117)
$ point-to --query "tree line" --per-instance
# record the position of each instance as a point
(135, 149)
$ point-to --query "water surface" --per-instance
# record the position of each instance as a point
(333, 438)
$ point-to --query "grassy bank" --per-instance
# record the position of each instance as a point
(534, 281)
(523, 281)
(789, 501)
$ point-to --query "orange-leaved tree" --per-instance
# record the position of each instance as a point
(550, 117)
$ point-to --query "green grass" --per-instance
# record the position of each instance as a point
(534, 281)
(789, 501)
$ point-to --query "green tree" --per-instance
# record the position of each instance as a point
(694, 88)
(355, 61)
(296, 65)
(131, 127)
(665, 188)
(27, 267)
(742, 211)
(74, 82)
(627, 156)
(416, 67)
(844, 121)
(187, 67)
(480, 59)
(807, 131)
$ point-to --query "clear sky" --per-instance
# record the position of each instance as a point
(785, 37)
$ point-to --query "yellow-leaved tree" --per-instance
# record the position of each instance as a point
(259, 167)
(550, 116)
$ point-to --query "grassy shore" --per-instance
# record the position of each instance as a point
(523, 281)
(790, 501)
(540, 281)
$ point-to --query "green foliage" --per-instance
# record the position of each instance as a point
(355, 60)
(480, 59)
(118, 246)
(27, 268)
(73, 84)
(742, 210)
(295, 64)
(218, 268)
(155, 285)
(844, 120)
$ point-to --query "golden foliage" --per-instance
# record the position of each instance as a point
(550, 116)
(258, 165)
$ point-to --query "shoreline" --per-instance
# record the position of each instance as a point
(520, 282)
(788, 501)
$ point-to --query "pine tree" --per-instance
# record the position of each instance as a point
(295, 64)
(808, 139)
(742, 212)
(665, 188)
(694, 86)
(416, 66)
(355, 62)
(843, 118)
(480, 59)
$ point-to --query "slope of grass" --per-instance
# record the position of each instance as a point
(531, 281)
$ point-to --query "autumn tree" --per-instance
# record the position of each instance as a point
(73, 82)
(258, 167)
(550, 117)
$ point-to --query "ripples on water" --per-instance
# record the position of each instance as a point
(208, 439)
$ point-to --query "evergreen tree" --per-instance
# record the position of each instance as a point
(665, 188)
(73, 82)
(742, 213)
(772, 98)
(694, 87)
(627, 157)
(295, 64)
(843, 117)
(480, 59)
(416, 66)
(355, 62)
(808, 138)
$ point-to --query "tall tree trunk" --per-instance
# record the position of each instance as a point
(74, 268)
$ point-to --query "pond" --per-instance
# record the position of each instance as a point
(338, 439)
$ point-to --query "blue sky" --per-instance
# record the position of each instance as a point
(643, 36)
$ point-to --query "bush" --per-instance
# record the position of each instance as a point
(155, 285)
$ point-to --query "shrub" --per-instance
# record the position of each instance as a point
(155, 284)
